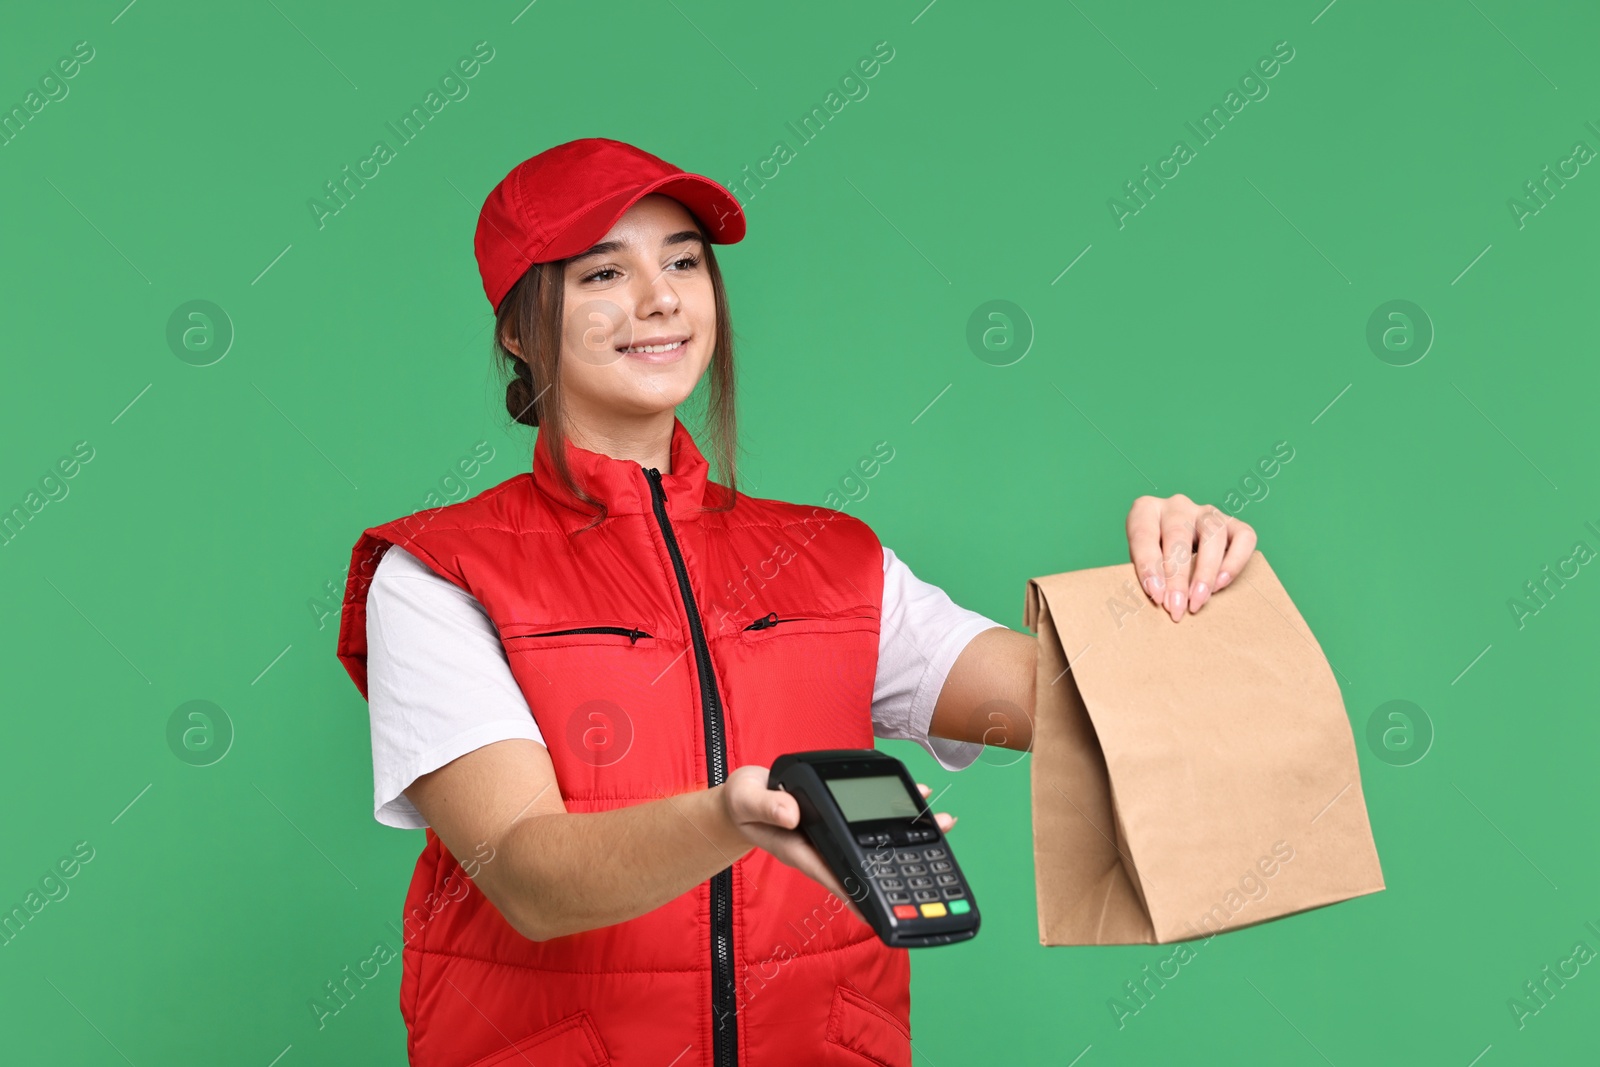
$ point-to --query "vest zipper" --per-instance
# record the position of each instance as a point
(632, 635)
(725, 1036)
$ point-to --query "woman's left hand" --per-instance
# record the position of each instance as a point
(1163, 533)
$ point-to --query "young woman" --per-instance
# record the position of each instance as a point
(578, 678)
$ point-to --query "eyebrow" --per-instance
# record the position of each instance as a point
(616, 246)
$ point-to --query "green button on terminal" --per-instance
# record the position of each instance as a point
(958, 907)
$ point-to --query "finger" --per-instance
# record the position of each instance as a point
(945, 820)
(1144, 546)
(1212, 530)
(1241, 543)
(791, 847)
(813, 865)
(817, 869)
(781, 809)
(750, 803)
(925, 789)
(1177, 552)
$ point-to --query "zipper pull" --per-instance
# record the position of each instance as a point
(653, 476)
(769, 619)
(634, 635)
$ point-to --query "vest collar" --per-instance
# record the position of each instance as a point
(622, 483)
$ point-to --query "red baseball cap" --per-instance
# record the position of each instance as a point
(564, 200)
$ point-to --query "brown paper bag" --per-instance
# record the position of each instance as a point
(1189, 777)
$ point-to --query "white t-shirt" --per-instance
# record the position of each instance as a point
(439, 684)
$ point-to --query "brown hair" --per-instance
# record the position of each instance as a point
(531, 315)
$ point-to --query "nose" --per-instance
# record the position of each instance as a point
(654, 292)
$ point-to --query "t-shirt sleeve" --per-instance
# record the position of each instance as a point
(921, 633)
(438, 682)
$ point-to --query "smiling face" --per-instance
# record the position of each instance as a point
(640, 317)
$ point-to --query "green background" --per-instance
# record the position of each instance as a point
(187, 560)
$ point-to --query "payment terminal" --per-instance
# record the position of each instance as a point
(862, 812)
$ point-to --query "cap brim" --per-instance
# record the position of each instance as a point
(710, 203)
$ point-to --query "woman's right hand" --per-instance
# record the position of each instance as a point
(769, 818)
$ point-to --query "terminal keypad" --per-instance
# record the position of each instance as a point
(915, 878)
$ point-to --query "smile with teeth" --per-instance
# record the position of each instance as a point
(652, 349)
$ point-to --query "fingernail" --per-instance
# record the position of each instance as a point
(1175, 604)
(1223, 579)
(1154, 585)
(1201, 595)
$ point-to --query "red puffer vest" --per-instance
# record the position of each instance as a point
(648, 652)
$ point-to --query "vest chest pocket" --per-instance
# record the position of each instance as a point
(774, 626)
(801, 680)
(592, 687)
(526, 638)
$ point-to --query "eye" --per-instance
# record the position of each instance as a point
(597, 275)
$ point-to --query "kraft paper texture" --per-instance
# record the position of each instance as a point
(1188, 778)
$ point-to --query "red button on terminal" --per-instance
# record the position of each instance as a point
(905, 911)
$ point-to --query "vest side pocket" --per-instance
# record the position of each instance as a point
(572, 1040)
(859, 1024)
